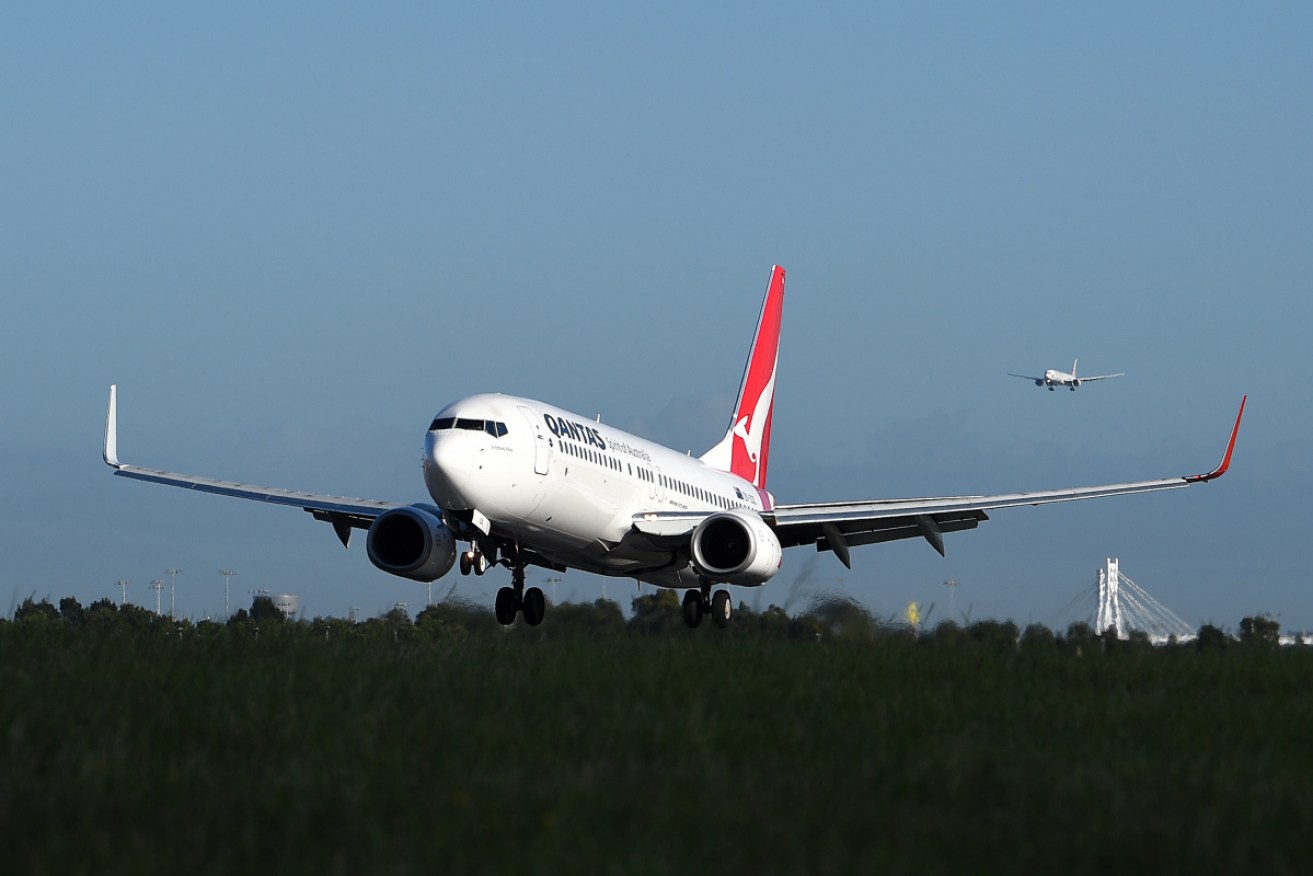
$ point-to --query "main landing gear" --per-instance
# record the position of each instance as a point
(703, 601)
(515, 599)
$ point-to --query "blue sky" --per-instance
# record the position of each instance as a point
(293, 232)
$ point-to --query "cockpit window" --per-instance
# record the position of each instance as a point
(494, 428)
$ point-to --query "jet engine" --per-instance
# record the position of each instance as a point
(412, 542)
(736, 547)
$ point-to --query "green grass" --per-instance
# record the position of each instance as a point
(629, 754)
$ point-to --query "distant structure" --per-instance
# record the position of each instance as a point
(1125, 607)
(288, 604)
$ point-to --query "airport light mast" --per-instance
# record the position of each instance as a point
(173, 592)
(227, 574)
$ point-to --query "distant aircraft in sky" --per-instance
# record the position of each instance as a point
(1053, 377)
(523, 483)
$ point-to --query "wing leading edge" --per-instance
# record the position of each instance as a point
(342, 512)
(837, 526)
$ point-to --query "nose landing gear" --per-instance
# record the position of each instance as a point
(474, 560)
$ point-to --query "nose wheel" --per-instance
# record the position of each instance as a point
(474, 560)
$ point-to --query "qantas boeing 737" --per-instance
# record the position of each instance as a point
(520, 483)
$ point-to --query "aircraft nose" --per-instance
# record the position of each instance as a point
(448, 464)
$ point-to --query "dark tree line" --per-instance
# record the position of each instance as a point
(657, 614)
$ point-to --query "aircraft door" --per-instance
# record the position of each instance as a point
(542, 450)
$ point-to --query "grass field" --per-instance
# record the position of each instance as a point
(617, 753)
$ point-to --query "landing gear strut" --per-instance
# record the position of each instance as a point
(703, 601)
(515, 599)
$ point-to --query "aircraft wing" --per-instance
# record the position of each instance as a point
(1024, 376)
(837, 526)
(342, 512)
(1102, 376)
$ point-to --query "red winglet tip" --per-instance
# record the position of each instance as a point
(1230, 446)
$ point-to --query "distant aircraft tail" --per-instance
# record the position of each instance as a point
(745, 449)
(1073, 366)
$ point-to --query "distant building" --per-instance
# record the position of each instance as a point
(288, 604)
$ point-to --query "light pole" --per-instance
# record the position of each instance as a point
(157, 585)
(173, 591)
(951, 584)
(227, 574)
(123, 591)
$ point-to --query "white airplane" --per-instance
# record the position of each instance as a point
(523, 483)
(1053, 377)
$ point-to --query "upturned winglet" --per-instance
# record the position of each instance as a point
(112, 428)
(1226, 457)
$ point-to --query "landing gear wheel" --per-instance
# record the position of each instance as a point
(721, 608)
(506, 607)
(466, 562)
(535, 606)
(480, 563)
(692, 608)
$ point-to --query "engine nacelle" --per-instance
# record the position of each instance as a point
(736, 547)
(412, 542)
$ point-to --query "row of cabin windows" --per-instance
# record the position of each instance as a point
(643, 474)
(698, 493)
(492, 427)
(592, 455)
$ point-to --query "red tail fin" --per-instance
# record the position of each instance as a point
(745, 449)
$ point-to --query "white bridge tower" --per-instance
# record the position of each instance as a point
(1126, 607)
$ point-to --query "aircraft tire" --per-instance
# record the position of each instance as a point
(721, 608)
(466, 562)
(506, 606)
(692, 608)
(535, 606)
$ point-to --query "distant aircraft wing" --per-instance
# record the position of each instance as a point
(342, 512)
(1102, 377)
(837, 526)
(1024, 376)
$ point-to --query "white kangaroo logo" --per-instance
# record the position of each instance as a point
(751, 428)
